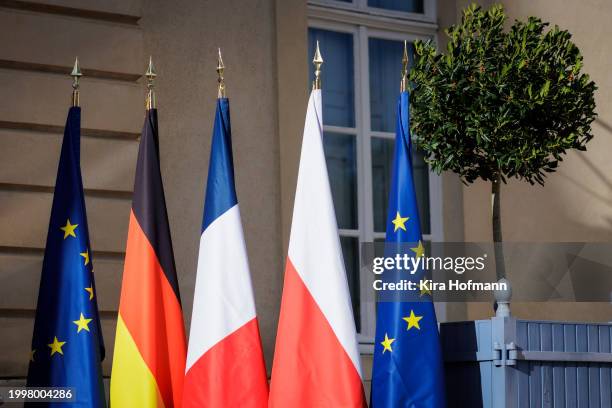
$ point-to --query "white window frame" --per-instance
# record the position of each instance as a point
(362, 23)
(374, 14)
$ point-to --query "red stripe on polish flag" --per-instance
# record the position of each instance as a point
(311, 367)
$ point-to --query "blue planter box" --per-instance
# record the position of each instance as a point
(507, 362)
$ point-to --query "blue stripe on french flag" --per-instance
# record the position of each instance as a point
(220, 189)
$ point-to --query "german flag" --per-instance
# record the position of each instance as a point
(150, 346)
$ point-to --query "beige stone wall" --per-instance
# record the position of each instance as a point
(37, 47)
(291, 43)
(183, 39)
(452, 190)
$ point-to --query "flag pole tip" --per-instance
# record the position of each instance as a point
(76, 75)
(76, 69)
(317, 62)
(220, 76)
(405, 62)
(151, 74)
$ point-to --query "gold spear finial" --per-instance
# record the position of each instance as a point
(317, 61)
(220, 79)
(150, 74)
(405, 61)
(76, 76)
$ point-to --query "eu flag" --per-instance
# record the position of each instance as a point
(67, 346)
(407, 370)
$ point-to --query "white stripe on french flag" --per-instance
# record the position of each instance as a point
(223, 300)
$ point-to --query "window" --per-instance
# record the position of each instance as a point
(408, 6)
(370, 10)
(362, 50)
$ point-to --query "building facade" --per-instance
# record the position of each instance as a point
(266, 46)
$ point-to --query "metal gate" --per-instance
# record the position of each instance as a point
(508, 362)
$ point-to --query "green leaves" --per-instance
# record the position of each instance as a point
(506, 103)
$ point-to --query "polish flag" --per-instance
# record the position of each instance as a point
(316, 361)
(225, 365)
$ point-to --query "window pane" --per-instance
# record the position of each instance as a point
(337, 75)
(410, 6)
(341, 157)
(382, 162)
(350, 251)
(385, 75)
(420, 171)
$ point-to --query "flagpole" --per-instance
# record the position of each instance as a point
(317, 62)
(150, 74)
(405, 61)
(220, 70)
(76, 75)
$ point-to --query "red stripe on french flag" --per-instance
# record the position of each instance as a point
(231, 374)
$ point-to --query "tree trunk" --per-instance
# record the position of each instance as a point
(500, 268)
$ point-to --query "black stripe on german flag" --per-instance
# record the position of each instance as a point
(149, 202)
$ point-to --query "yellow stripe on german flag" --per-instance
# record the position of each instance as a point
(150, 346)
(132, 382)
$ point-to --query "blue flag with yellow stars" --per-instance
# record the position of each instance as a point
(407, 370)
(67, 347)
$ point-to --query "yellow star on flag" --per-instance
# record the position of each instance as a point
(82, 323)
(56, 346)
(90, 291)
(387, 343)
(399, 222)
(69, 229)
(424, 289)
(85, 255)
(32, 355)
(413, 320)
(419, 250)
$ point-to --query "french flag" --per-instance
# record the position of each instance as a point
(225, 364)
(316, 361)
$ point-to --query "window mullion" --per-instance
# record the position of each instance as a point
(436, 214)
(364, 135)
(383, 135)
(361, 4)
(348, 233)
(339, 129)
(364, 165)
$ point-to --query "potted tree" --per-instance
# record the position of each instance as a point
(500, 103)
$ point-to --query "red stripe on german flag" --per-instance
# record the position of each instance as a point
(150, 346)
